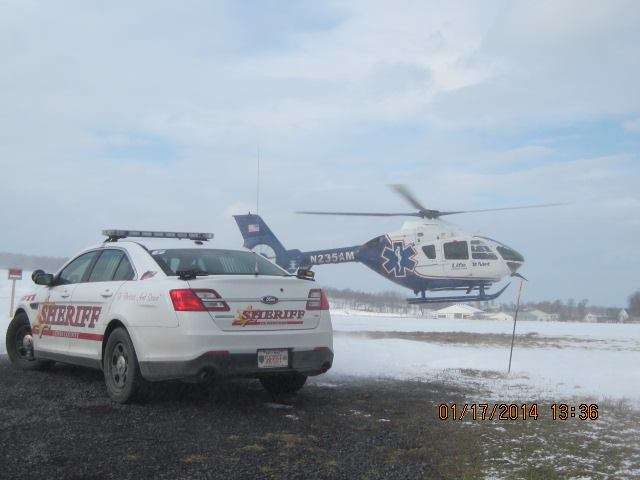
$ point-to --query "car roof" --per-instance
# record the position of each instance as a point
(169, 244)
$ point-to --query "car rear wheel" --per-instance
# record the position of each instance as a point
(279, 383)
(121, 370)
(19, 343)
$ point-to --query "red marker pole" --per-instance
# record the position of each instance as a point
(14, 274)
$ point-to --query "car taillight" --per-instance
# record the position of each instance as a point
(317, 300)
(197, 300)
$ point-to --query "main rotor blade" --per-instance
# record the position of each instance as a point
(545, 205)
(404, 192)
(364, 214)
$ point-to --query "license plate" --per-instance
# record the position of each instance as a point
(273, 358)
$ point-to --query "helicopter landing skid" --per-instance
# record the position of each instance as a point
(481, 297)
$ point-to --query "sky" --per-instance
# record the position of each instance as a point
(152, 115)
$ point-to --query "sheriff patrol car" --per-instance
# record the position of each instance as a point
(169, 306)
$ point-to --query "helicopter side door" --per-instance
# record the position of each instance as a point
(429, 259)
(428, 256)
(456, 262)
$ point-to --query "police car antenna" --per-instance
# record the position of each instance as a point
(258, 185)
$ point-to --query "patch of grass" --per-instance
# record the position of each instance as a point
(475, 373)
(287, 439)
(194, 458)
(253, 447)
(527, 340)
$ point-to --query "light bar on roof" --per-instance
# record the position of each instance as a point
(116, 234)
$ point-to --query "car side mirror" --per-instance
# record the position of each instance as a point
(44, 279)
(35, 274)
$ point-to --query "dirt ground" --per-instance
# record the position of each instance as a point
(61, 424)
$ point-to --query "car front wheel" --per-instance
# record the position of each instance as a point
(19, 343)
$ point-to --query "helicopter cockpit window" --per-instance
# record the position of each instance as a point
(456, 251)
(510, 254)
(429, 251)
(481, 251)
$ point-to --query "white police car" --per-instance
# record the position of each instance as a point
(169, 306)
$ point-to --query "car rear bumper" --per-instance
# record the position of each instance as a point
(224, 364)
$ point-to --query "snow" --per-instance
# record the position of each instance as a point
(344, 320)
(595, 370)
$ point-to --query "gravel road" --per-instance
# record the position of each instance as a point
(60, 424)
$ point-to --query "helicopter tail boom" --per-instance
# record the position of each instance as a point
(256, 233)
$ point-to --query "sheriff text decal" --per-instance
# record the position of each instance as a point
(74, 316)
(250, 316)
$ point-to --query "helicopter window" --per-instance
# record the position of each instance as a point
(456, 251)
(481, 251)
(510, 254)
(429, 251)
(483, 256)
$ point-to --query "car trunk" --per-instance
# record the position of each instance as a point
(260, 303)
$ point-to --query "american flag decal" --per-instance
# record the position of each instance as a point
(253, 228)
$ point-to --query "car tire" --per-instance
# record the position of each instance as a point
(280, 383)
(122, 376)
(19, 345)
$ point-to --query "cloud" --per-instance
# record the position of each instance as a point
(151, 117)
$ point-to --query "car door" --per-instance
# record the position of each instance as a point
(93, 298)
(51, 329)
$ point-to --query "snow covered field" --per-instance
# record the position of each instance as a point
(585, 361)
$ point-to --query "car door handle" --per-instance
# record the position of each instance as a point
(107, 293)
(65, 294)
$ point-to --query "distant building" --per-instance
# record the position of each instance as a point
(537, 316)
(591, 317)
(602, 318)
(460, 311)
(499, 316)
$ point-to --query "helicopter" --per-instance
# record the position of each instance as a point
(426, 255)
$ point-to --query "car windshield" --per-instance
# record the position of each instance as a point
(214, 262)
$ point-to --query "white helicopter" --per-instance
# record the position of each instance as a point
(426, 255)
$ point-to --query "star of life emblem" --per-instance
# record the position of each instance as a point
(398, 258)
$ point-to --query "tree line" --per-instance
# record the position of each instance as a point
(394, 302)
(30, 262)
